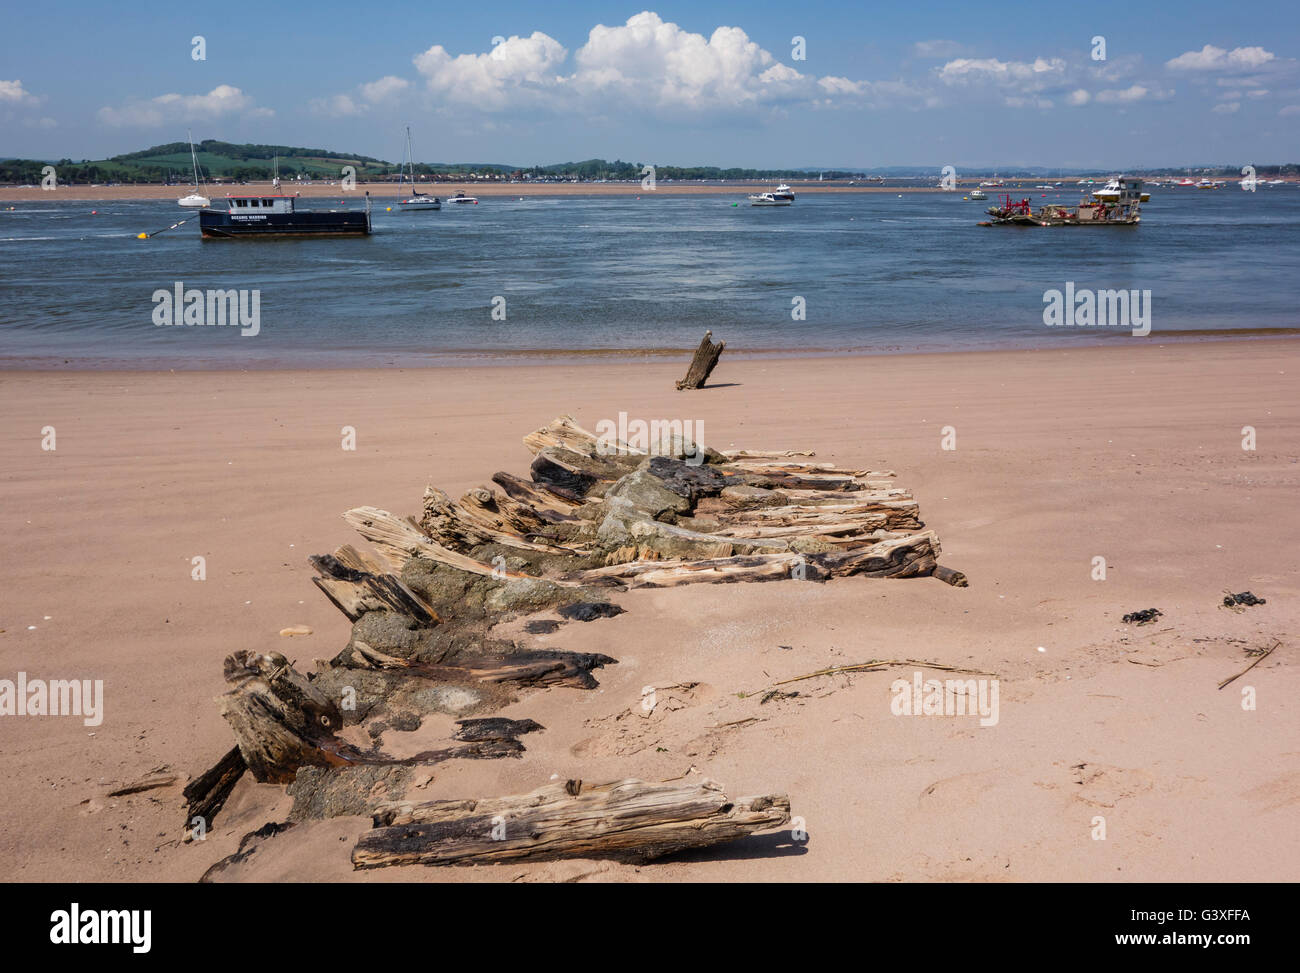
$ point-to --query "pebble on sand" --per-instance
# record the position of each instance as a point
(295, 630)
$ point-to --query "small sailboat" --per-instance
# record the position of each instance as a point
(194, 200)
(417, 200)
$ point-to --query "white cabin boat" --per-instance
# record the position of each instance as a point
(1113, 190)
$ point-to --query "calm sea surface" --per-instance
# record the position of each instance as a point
(877, 272)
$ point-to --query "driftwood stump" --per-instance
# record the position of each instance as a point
(628, 820)
(705, 360)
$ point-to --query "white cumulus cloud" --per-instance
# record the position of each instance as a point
(1028, 75)
(646, 64)
(1211, 58)
(1121, 96)
(516, 66)
(13, 93)
(222, 100)
(384, 88)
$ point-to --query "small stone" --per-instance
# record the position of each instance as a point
(295, 630)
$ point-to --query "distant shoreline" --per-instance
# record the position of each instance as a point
(387, 190)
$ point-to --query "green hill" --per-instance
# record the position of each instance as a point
(232, 162)
(217, 160)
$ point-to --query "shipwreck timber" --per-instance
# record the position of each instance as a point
(594, 517)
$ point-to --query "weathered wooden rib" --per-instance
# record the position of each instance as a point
(529, 667)
(625, 820)
(820, 469)
(744, 454)
(702, 363)
(206, 794)
(283, 722)
(911, 555)
(782, 480)
(354, 590)
(400, 538)
(537, 496)
(564, 431)
(850, 531)
(741, 498)
(891, 514)
(478, 519)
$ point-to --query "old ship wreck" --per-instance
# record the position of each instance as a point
(424, 602)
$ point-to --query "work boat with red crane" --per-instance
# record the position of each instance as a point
(1120, 204)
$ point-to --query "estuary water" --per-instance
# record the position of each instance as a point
(522, 279)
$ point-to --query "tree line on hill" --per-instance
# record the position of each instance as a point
(229, 161)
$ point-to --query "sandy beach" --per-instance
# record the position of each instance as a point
(1130, 453)
(383, 190)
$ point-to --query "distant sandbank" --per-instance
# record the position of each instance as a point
(495, 189)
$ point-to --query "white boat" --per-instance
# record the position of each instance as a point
(978, 194)
(783, 192)
(767, 199)
(462, 198)
(194, 200)
(1112, 191)
(417, 200)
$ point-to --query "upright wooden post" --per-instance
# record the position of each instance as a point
(705, 360)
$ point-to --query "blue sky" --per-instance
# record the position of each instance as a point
(963, 84)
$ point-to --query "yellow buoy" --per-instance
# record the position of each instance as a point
(142, 236)
(390, 209)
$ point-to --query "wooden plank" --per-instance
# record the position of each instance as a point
(625, 820)
(908, 556)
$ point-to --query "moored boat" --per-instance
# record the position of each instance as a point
(1112, 191)
(195, 200)
(1120, 207)
(417, 200)
(767, 199)
(783, 192)
(462, 198)
(267, 216)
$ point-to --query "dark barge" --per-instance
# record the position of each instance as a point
(273, 216)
